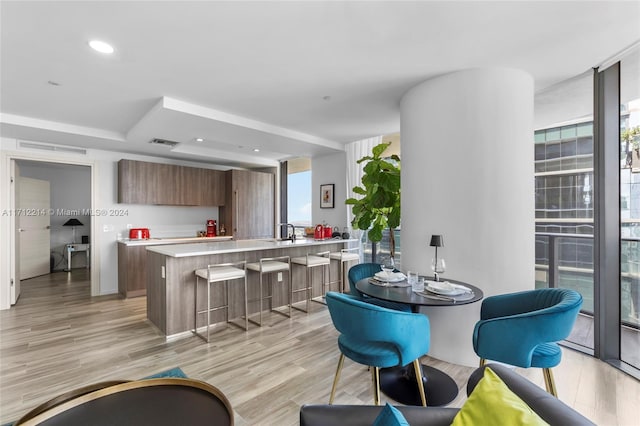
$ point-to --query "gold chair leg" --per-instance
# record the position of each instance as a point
(482, 362)
(418, 368)
(549, 382)
(335, 379)
(375, 372)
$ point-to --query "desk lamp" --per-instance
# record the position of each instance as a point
(73, 222)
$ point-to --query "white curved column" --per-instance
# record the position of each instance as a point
(467, 173)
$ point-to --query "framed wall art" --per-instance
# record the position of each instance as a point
(326, 196)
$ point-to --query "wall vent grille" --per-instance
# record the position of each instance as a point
(51, 147)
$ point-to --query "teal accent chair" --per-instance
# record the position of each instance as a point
(522, 328)
(378, 337)
(366, 270)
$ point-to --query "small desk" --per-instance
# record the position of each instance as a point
(399, 383)
(71, 248)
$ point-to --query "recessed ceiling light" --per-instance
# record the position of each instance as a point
(101, 46)
(199, 140)
(256, 150)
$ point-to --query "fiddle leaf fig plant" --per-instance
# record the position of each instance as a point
(379, 206)
(631, 137)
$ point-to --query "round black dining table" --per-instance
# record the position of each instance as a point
(399, 383)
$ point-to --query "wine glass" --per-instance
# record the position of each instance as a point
(438, 267)
(388, 266)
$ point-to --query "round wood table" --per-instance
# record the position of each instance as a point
(399, 383)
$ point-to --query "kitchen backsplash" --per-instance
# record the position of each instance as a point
(168, 231)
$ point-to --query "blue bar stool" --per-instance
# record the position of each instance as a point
(222, 272)
(271, 265)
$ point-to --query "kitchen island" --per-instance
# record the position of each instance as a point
(171, 278)
(132, 261)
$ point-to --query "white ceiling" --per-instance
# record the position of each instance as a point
(247, 75)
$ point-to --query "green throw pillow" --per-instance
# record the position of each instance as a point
(390, 416)
(493, 403)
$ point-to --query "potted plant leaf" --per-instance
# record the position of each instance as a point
(379, 206)
(631, 138)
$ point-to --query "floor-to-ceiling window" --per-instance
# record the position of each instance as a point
(299, 194)
(563, 149)
(587, 189)
(630, 209)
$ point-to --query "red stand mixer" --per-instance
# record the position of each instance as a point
(211, 228)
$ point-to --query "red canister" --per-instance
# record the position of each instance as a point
(211, 228)
(318, 233)
(327, 232)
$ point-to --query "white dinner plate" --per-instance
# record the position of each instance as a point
(391, 277)
(446, 288)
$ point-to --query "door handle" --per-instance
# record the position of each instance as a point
(21, 230)
(47, 227)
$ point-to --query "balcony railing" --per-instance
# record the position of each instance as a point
(566, 260)
(373, 252)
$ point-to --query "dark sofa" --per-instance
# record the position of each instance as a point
(551, 409)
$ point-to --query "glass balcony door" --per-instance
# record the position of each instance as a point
(564, 142)
(629, 325)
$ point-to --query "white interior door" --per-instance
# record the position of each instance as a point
(15, 237)
(33, 223)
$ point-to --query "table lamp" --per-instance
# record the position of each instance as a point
(73, 222)
(437, 241)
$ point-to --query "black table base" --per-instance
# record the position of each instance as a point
(399, 384)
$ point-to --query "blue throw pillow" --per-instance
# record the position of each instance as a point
(174, 372)
(390, 416)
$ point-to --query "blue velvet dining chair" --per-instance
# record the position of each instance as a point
(378, 337)
(367, 270)
(522, 328)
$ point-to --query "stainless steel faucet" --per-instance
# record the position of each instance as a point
(293, 230)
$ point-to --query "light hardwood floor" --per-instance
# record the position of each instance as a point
(57, 338)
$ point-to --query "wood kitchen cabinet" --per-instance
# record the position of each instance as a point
(167, 190)
(249, 208)
(213, 187)
(141, 182)
(137, 182)
(132, 270)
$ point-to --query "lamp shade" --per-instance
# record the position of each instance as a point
(437, 241)
(72, 222)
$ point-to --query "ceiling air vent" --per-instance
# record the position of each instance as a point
(164, 142)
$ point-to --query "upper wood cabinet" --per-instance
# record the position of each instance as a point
(141, 182)
(213, 193)
(136, 182)
(249, 209)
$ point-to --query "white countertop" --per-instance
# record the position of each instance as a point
(203, 249)
(174, 240)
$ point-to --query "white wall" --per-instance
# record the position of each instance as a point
(467, 173)
(325, 170)
(113, 219)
